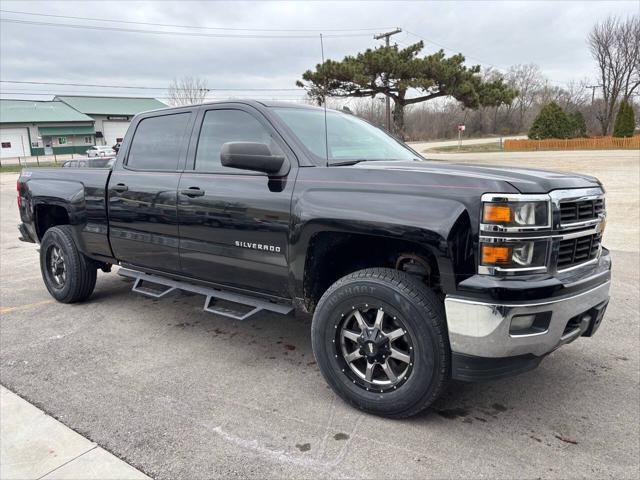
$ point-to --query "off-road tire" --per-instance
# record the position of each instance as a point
(423, 315)
(80, 271)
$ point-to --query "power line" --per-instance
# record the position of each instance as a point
(163, 32)
(593, 91)
(64, 93)
(497, 67)
(115, 95)
(195, 26)
(454, 50)
(149, 88)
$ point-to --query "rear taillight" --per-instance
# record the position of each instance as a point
(18, 190)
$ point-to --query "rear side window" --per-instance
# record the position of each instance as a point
(158, 142)
(222, 126)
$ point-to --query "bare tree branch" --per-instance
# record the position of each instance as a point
(615, 45)
(187, 91)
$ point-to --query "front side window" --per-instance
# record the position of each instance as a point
(222, 126)
(348, 137)
(158, 141)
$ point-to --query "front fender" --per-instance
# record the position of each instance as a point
(414, 218)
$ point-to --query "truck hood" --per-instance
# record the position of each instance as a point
(526, 180)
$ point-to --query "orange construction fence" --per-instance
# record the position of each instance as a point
(593, 143)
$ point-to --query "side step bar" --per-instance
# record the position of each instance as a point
(156, 286)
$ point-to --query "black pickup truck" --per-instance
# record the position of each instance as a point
(415, 271)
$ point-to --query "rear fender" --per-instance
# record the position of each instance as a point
(66, 194)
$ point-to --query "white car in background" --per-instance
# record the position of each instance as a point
(100, 151)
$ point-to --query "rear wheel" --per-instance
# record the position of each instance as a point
(380, 340)
(68, 274)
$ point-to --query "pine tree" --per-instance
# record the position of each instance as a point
(578, 125)
(551, 122)
(394, 72)
(625, 121)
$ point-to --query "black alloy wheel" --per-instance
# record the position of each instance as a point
(68, 274)
(379, 337)
(375, 347)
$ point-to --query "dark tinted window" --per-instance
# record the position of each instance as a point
(222, 126)
(158, 142)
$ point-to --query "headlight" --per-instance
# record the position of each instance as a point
(514, 255)
(516, 214)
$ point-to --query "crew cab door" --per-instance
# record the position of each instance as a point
(143, 189)
(234, 224)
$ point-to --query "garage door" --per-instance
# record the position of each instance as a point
(14, 142)
(114, 131)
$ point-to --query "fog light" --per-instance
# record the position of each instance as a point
(521, 322)
(530, 324)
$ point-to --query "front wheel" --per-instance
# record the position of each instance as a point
(67, 273)
(380, 340)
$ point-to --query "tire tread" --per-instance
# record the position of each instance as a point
(422, 298)
(82, 274)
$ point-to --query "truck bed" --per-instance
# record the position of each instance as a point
(80, 191)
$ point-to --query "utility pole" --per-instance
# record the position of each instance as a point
(593, 91)
(386, 36)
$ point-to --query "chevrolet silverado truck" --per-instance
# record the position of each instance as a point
(416, 272)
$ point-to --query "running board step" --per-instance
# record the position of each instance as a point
(217, 301)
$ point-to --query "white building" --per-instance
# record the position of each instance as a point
(112, 115)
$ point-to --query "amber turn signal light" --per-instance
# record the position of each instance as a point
(492, 255)
(496, 213)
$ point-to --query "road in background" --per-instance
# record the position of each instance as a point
(422, 146)
(180, 393)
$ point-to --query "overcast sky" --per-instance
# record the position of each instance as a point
(549, 33)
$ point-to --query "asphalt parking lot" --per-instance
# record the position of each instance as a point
(179, 393)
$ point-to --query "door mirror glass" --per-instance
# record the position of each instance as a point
(251, 156)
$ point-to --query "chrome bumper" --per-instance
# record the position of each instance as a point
(482, 329)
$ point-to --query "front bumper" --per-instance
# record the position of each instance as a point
(479, 331)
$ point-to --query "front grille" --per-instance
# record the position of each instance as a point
(580, 211)
(578, 250)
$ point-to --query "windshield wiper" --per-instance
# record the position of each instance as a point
(349, 162)
(353, 162)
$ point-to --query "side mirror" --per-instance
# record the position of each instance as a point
(251, 156)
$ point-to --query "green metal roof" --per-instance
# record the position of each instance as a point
(32, 111)
(66, 131)
(111, 105)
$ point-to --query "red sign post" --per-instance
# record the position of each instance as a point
(461, 129)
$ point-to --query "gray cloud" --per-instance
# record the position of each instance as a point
(551, 34)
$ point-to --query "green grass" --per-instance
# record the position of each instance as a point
(18, 168)
(480, 147)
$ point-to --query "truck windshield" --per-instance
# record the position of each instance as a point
(350, 139)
